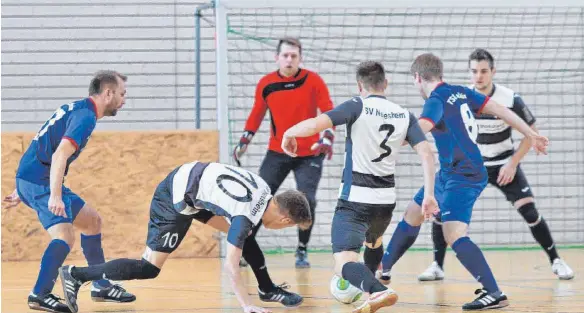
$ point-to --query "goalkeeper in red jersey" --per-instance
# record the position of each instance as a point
(291, 94)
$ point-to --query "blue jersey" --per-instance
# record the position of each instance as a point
(74, 122)
(451, 109)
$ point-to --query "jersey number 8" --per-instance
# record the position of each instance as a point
(469, 122)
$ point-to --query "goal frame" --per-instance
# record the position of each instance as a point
(221, 31)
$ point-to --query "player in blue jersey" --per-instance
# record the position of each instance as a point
(39, 185)
(448, 114)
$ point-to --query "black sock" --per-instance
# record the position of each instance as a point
(361, 277)
(439, 244)
(539, 229)
(255, 258)
(119, 269)
(372, 258)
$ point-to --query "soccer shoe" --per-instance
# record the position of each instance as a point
(486, 301)
(278, 294)
(114, 293)
(48, 303)
(70, 287)
(562, 270)
(302, 259)
(433, 272)
(383, 278)
(376, 301)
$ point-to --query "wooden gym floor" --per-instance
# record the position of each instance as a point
(197, 285)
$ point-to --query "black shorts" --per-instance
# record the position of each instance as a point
(167, 227)
(353, 223)
(517, 189)
(307, 172)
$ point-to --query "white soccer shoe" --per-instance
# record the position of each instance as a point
(562, 270)
(433, 272)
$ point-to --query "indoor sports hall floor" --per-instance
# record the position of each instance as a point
(196, 285)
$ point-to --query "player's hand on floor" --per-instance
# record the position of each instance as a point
(56, 206)
(429, 207)
(11, 200)
(255, 309)
(289, 145)
(506, 174)
(540, 143)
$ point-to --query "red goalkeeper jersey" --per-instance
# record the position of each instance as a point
(290, 100)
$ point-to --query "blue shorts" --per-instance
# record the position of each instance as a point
(37, 197)
(456, 195)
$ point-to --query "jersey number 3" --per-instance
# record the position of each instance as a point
(389, 129)
(469, 122)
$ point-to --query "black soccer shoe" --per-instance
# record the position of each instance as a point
(114, 293)
(70, 287)
(48, 303)
(493, 300)
(278, 294)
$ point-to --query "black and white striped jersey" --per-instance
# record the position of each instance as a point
(376, 129)
(221, 189)
(494, 139)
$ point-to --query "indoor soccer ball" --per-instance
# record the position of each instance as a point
(343, 291)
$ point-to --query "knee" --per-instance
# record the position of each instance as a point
(95, 225)
(452, 235)
(149, 270)
(375, 244)
(342, 258)
(63, 232)
(529, 213)
(413, 214)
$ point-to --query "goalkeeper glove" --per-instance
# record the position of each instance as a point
(325, 144)
(242, 146)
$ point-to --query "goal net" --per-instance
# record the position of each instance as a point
(538, 53)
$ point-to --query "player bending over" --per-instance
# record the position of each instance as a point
(449, 113)
(502, 163)
(209, 193)
(376, 128)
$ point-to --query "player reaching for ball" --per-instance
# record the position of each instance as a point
(209, 193)
(376, 129)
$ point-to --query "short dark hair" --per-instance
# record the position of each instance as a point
(480, 54)
(371, 74)
(103, 78)
(428, 66)
(296, 205)
(295, 42)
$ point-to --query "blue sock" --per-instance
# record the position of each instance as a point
(403, 238)
(54, 256)
(474, 261)
(91, 246)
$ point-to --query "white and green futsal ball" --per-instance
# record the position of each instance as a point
(343, 291)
